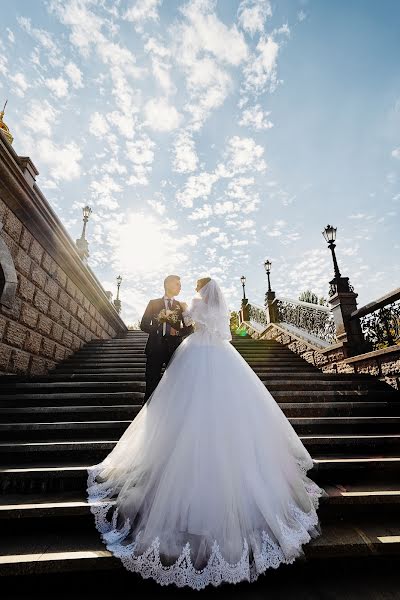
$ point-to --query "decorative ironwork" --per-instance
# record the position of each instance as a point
(381, 328)
(257, 314)
(314, 319)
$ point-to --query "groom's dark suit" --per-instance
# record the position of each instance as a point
(160, 348)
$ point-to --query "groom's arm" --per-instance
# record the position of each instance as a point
(146, 322)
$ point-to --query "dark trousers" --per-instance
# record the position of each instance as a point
(155, 360)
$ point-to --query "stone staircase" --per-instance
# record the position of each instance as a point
(52, 427)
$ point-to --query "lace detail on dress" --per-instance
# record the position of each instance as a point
(217, 570)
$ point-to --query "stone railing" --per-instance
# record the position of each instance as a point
(51, 303)
(380, 321)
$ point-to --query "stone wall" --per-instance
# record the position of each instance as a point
(57, 304)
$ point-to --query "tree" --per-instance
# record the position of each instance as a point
(234, 322)
(309, 296)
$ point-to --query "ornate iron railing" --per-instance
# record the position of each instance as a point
(380, 321)
(258, 314)
(315, 319)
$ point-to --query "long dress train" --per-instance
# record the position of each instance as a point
(209, 482)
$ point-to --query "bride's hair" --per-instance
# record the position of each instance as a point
(202, 282)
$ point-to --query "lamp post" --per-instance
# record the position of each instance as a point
(267, 267)
(269, 303)
(117, 301)
(329, 234)
(342, 299)
(82, 243)
(244, 311)
(243, 280)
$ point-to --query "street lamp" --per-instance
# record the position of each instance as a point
(81, 243)
(267, 266)
(329, 234)
(243, 280)
(117, 301)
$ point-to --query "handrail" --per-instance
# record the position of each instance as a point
(302, 303)
(389, 298)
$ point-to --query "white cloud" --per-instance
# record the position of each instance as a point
(260, 72)
(10, 35)
(58, 86)
(143, 11)
(62, 161)
(396, 153)
(75, 74)
(45, 40)
(161, 116)
(203, 212)
(98, 125)
(185, 157)
(244, 155)
(203, 46)
(197, 186)
(20, 83)
(40, 117)
(141, 154)
(158, 206)
(255, 118)
(253, 14)
(125, 123)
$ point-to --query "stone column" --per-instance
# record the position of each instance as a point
(272, 312)
(245, 310)
(343, 304)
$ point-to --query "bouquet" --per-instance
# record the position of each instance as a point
(167, 315)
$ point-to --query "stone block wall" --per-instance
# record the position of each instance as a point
(59, 305)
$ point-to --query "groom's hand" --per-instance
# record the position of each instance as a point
(174, 331)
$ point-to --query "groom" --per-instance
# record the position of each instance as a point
(164, 337)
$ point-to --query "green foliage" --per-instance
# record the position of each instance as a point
(309, 296)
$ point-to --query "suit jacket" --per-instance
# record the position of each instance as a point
(150, 325)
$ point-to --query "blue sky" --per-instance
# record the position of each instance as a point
(208, 136)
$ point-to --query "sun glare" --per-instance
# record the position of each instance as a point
(144, 244)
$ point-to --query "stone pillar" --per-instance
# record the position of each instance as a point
(272, 312)
(245, 310)
(343, 304)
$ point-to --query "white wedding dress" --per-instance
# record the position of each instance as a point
(209, 482)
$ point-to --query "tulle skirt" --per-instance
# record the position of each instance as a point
(209, 482)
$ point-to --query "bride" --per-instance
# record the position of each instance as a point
(209, 482)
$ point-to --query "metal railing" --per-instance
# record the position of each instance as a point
(380, 321)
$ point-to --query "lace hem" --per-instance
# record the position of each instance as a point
(183, 573)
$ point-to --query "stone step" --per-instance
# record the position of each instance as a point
(266, 375)
(31, 414)
(95, 412)
(135, 391)
(288, 382)
(74, 386)
(56, 553)
(50, 476)
(23, 513)
(78, 398)
(92, 395)
(98, 429)
(361, 445)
